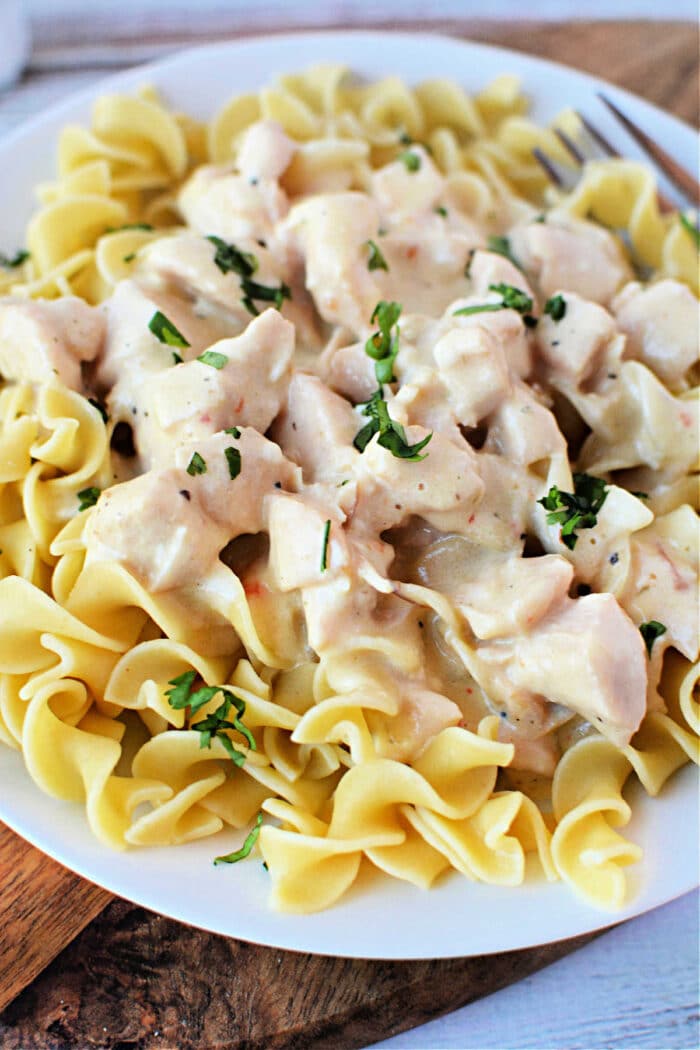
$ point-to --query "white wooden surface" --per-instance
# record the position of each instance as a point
(636, 986)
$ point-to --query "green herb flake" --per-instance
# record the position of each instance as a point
(196, 465)
(511, 299)
(214, 724)
(179, 695)
(129, 258)
(233, 431)
(392, 435)
(213, 359)
(130, 226)
(88, 497)
(441, 210)
(376, 260)
(324, 546)
(410, 160)
(640, 495)
(694, 232)
(556, 307)
(11, 262)
(100, 408)
(575, 510)
(233, 459)
(650, 631)
(230, 259)
(265, 293)
(165, 331)
(244, 851)
(177, 358)
(501, 246)
(383, 346)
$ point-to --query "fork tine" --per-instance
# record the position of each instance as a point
(556, 173)
(570, 146)
(680, 178)
(597, 137)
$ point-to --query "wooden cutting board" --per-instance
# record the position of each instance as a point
(109, 974)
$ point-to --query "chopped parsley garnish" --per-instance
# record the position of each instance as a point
(555, 307)
(179, 695)
(392, 435)
(694, 232)
(577, 509)
(324, 550)
(214, 359)
(376, 260)
(165, 331)
(410, 160)
(511, 299)
(88, 497)
(129, 226)
(10, 262)
(242, 853)
(264, 292)
(177, 358)
(233, 458)
(501, 246)
(196, 465)
(233, 431)
(129, 258)
(214, 724)
(640, 495)
(230, 259)
(100, 408)
(650, 631)
(441, 210)
(383, 346)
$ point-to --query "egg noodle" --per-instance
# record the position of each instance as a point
(348, 487)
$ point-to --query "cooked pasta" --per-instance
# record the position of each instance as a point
(348, 487)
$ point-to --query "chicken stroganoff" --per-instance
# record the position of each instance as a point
(349, 491)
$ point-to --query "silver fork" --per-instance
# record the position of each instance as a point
(592, 145)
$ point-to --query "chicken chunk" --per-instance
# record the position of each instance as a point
(316, 429)
(581, 344)
(41, 338)
(572, 255)
(662, 325)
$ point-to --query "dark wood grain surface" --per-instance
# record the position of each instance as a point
(133, 980)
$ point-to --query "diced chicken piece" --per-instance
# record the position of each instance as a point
(407, 187)
(186, 264)
(588, 656)
(473, 368)
(580, 345)
(504, 325)
(350, 371)
(487, 268)
(168, 526)
(133, 355)
(524, 430)
(157, 529)
(662, 582)
(265, 151)
(443, 488)
(662, 325)
(238, 503)
(41, 338)
(214, 201)
(515, 596)
(302, 553)
(316, 429)
(331, 232)
(195, 399)
(575, 256)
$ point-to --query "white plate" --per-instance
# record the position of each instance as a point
(380, 917)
